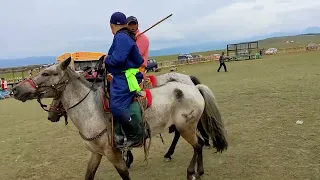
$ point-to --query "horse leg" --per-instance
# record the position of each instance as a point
(191, 137)
(115, 157)
(200, 169)
(129, 158)
(93, 165)
(203, 134)
(175, 140)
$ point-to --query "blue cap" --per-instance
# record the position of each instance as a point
(131, 19)
(118, 18)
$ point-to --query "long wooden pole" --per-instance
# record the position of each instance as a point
(155, 25)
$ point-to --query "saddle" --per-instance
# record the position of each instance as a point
(144, 98)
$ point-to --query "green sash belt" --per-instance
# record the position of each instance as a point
(132, 80)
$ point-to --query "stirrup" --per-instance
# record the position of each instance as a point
(124, 147)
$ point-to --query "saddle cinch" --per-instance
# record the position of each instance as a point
(140, 103)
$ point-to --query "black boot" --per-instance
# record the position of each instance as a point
(133, 134)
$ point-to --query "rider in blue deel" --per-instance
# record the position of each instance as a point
(122, 62)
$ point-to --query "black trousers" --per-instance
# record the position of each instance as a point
(224, 66)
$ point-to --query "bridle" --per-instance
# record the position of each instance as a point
(58, 109)
(57, 88)
(54, 87)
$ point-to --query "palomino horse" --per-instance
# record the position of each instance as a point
(173, 103)
(56, 110)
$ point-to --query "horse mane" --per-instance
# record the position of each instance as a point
(195, 80)
(74, 75)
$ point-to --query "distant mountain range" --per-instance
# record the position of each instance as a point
(311, 30)
(167, 51)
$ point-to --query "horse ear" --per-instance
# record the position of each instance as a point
(102, 58)
(65, 63)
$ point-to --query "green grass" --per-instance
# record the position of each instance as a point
(260, 102)
(16, 74)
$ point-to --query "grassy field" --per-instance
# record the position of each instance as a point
(260, 102)
(16, 74)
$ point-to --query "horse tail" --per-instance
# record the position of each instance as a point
(195, 80)
(200, 127)
(211, 119)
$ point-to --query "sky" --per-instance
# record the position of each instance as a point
(52, 27)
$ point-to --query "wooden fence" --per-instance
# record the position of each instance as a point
(296, 49)
(174, 63)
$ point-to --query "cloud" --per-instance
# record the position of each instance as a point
(251, 18)
(52, 27)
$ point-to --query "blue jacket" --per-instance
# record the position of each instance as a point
(123, 54)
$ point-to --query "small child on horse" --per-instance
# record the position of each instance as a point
(123, 62)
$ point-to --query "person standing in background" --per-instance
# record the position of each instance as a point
(1, 97)
(142, 41)
(221, 60)
(4, 88)
(4, 84)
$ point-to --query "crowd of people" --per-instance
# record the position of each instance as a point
(4, 89)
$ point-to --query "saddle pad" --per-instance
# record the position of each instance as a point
(148, 97)
(153, 80)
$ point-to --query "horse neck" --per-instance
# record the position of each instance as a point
(88, 116)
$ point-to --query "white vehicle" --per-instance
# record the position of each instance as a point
(271, 51)
(184, 57)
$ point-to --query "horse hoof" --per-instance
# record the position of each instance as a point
(167, 159)
(194, 177)
(208, 146)
(197, 176)
(200, 173)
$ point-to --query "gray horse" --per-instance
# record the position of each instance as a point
(56, 110)
(174, 103)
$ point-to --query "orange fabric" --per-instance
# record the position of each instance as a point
(143, 46)
(141, 69)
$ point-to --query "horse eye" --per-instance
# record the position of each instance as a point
(45, 74)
